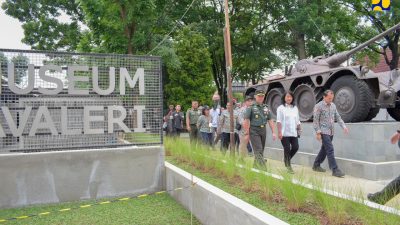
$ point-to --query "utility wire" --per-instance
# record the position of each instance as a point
(322, 34)
(173, 29)
(316, 25)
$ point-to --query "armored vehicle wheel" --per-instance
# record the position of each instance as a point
(353, 98)
(274, 99)
(394, 113)
(305, 101)
(372, 114)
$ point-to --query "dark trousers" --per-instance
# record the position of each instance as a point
(194, 133)
(226, 139)
(258, 137)
(237, 142)
(326, 151)
(388, 192)
(207, 138)
(177, 132)
(290, 147)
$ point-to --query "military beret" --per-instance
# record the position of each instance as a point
(259, 92)
(249, 97)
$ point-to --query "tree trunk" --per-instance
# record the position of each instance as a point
(129, 29)
(300, 44)
(253, 81)
(394, 47)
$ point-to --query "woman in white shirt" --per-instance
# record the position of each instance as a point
(288, 124)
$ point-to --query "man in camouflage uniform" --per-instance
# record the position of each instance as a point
(243, 136)
(255, 120)
(225, 125)
(192, 115)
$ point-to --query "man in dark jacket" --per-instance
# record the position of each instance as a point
(177, 121)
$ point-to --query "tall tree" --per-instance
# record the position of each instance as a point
(380, 21)
(42, 28)
(121, 26)
(313, 27)
(192, 80)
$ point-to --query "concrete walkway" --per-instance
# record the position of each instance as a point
(354, 186)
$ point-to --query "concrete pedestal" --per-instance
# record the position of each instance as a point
(53, 177)
(366, 152)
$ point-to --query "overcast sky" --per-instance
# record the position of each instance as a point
(12, 32)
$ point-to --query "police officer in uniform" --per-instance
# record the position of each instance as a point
(254, 124)
(192, 115)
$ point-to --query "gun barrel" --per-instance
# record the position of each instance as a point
(341, 57)
(377, 37)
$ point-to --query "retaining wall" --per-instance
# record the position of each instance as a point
(53, 177)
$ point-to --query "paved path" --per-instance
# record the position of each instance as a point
(347, 185)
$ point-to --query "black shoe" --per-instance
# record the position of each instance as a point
(337, 173)
(290, 170)
(318, 169)
(372, 198)
(375, 198)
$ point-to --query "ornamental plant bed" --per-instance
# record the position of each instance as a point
(292, 203)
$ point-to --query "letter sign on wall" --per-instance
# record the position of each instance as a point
(62, 101)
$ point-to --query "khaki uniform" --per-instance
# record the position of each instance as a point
(258, 114)
(193, 115)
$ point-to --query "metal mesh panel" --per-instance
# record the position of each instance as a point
(36, 120)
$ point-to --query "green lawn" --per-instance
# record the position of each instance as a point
(151, 210)
(143, 138)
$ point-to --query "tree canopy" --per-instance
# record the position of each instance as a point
(191, 80)
(266, 34)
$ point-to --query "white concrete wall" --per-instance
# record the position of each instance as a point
(211, 205)
(52, 177)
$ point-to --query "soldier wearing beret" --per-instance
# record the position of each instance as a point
(255, 120)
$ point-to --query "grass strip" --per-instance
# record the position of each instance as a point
(290, 202)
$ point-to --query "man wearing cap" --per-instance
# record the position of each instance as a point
(243, 136)
(255, 120)
(192, 115)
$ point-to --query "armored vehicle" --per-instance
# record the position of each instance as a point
(359, 92)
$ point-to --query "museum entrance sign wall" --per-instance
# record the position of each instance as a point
(64, 101)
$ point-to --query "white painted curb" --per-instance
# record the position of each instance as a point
(219, 197)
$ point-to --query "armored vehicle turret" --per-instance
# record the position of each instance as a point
(359, 92)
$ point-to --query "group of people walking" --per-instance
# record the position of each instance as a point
(209, 125)
(289, 129)
(250, 121)
(173, 121)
